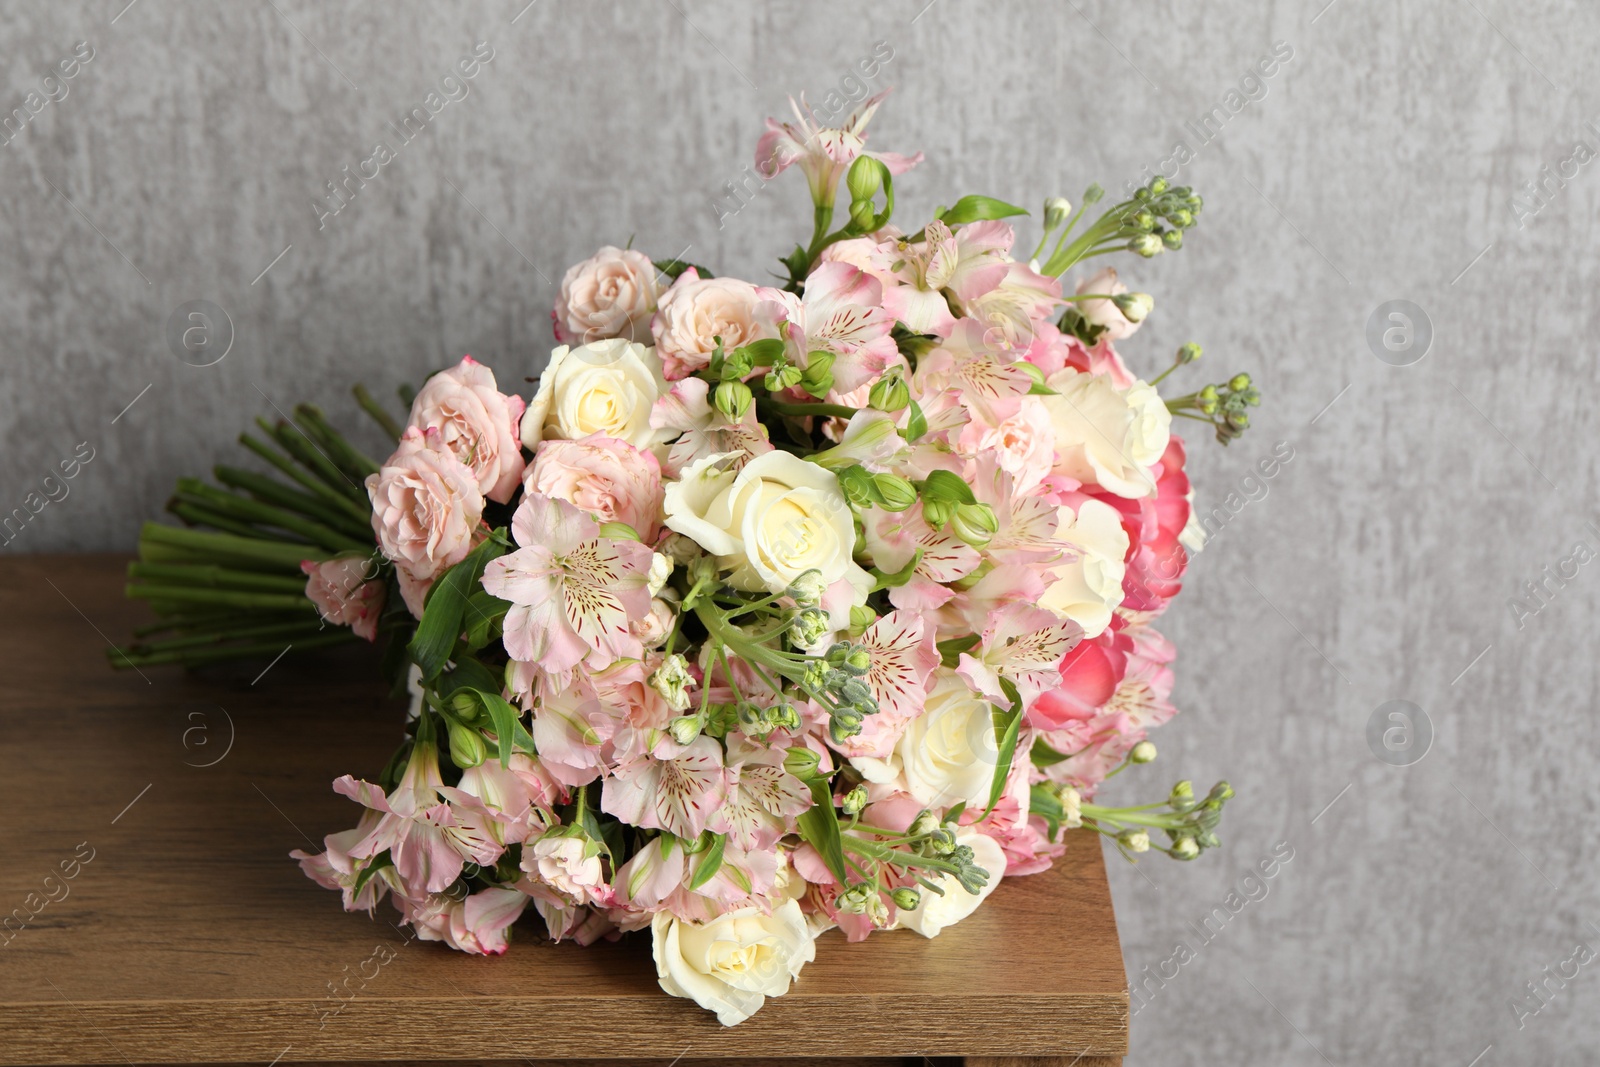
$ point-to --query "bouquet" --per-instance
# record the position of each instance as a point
(776, 608)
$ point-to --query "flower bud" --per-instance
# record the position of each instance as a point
(785, 377)
(1134, 306)
(1182, 218)
(1184, 848)
(889, 393)
(1143, 752)
(855, 481)
(864, 178)
(857, 661)
(467, 748)
(1146, 245)
(808, 628)
(818, 376)
(1134, 840)
(936, 512)
(1182, 797)
(733, 399)
(853, 901)
(1143, 220)
(974, 523)
(1071, 808)
(671, 680)
(1173, 239)
(897, 493)
(1158, 185)
(854, 800)
(465, 707)
(845, 722)
(1188, 352)
(807, 588)
(684, 729)
(1221, 791)
(924, 824)
(1093, 194)
(862, 215)
(801, 762)
(1056, 210)
(1239, 383)
(906, 898)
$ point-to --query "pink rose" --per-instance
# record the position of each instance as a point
(344, 594)
(611, 294)
(426, 506)
(477, 423)
(569, 866)
(608, 478)
(696, 311)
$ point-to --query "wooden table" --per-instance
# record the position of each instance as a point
(187, 935)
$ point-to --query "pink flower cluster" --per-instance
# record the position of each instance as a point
(795, 603)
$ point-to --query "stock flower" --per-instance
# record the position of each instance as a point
(606, 387)
(573, 592)
(934, 912)
(733, 963)
(611, 294)
(697, 311)
(608, 478)
(824, 153)
(475, 422)
(426, 506)
(768, 522)
(1107, 436)
(345, 595)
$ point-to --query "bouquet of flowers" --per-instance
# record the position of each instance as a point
(776, 608)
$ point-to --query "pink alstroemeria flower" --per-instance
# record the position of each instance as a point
(1023, 645)
(573, 592)
(904, 657)
(824, 153)
(679, 792)
(761, 803)
(841, 312)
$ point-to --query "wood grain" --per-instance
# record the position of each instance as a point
(189, 936)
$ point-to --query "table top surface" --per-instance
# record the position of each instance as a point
(186, 934)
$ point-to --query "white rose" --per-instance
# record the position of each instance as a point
(948, 753)
(1087, 589)
(733, 963)
(933, 913)
(607, 387)
(610, 294)
(1107, 436)
(1104, 313)
(768, 522)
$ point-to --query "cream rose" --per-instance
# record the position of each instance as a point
(1107, 436)
(768, 522)
(934, 912)
(607, 387)
(611, 294)
(1088, 588)
(696, 311)
(733, 963)
(947, 754)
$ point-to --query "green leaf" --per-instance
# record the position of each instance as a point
(507, 722)
(1041, 389)
(819, 827)
(1011, 725)
(1045, 804)
(379, 862)
(953, 816)
(1043, 755)
(950, 650)
(710, 861)
(468, 673)
(672, 268)
(976, 208)
(484, 615)
(436, 634)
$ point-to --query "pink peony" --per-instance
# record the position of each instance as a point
(426, 506)
(476, 422)
(344, 593)
(611, 294)
(608, 478)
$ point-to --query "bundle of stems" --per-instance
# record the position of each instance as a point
(228, 583)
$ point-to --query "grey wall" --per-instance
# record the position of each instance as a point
(1379, 165)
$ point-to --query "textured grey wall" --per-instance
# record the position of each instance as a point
(1380, 164)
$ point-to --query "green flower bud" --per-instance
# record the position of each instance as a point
(1173, 239)
(855, 800)
(733, 399)
(684, 729)
(864, 179)
(1056, 210)
(1158, 185)
(1239, 383)
(858, 661)
(924, 824)
(785, 377)
(801, 762)
(1143, 220)
(845, 722)
(1093, 194)
(858, 486)
(1182, 796)
(817, 378)
(861, 617)
(897, 494)
(807, 588)
(465, 707)
(1134, 306)
(808, 627)
(1182, 218)
(1184, 848)
(889, 393)
(974, 523)
(936, 512)
(467, 748)
(1238, 420)
(1221, 791)
(862, 215)
(1143, 752)
(1146, 245)
(1189, 352)
(906, 898)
